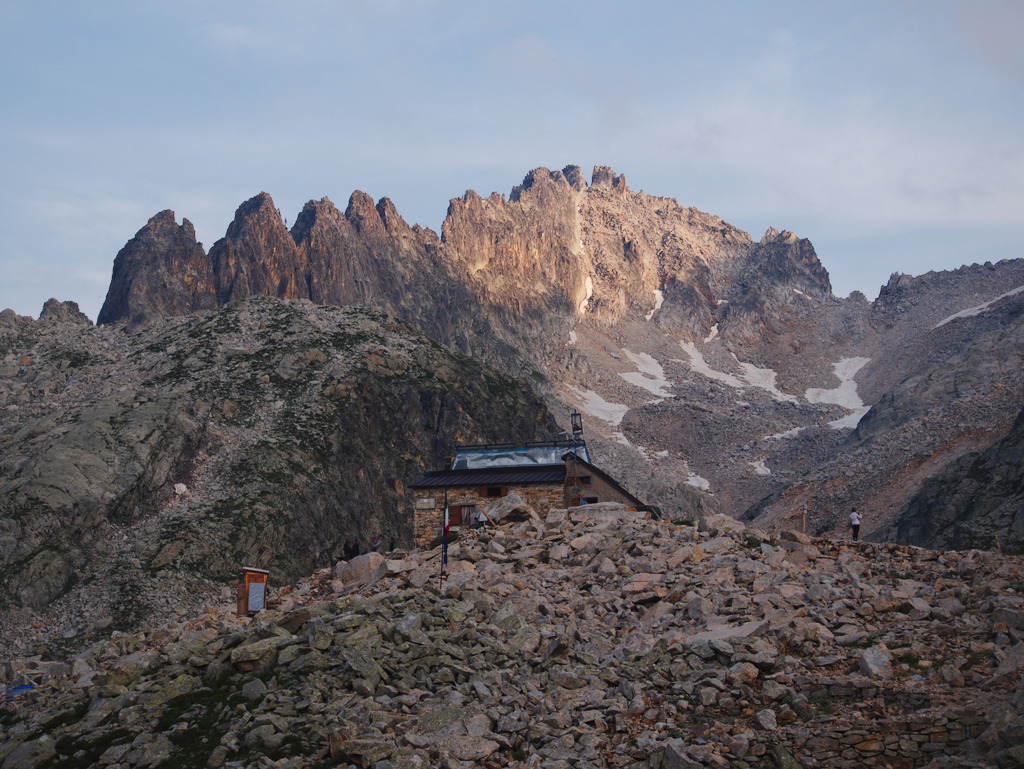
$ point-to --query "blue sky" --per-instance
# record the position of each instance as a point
(889, 133)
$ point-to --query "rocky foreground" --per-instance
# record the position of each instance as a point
(592, 638)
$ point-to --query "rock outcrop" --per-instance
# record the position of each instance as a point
(162, 271)
(933, 462)
(977, 501)
(262, 434)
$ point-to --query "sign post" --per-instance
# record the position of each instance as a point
(252, 592)
(445, 526)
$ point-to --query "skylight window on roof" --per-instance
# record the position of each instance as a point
(476, 457)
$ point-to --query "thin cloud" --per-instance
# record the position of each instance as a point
(235, 36)
(858, 127)
(995, 31)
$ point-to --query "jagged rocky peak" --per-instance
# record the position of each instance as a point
(539, 179)
(371, 224)
(257, 255)
(793, 262)
(773, 289)
(772, 235)
(363, 214)
(261, 201)
(392, 220)
(63, 312)
(606, 178)
(162, 271)
(258, 211)
(521, 255)
(574, 175)
(314, 215)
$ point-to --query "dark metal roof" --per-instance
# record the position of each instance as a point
(497, 476)
(510, 476)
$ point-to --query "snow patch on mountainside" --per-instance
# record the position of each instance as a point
(582, 308)
(701, 483)
(851, 420)
(765, 379)
(596, 406)
(649, 375)
(752, 376)
(659, 299)
(648, 455)
(698, 364)
(972, 311)
(845, 395)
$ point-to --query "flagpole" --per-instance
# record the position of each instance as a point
(445, 522)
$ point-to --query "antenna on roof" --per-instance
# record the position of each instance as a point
(576, 419)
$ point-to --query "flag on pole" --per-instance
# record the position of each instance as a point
(447, 526)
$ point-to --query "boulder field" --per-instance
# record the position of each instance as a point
(587, 637)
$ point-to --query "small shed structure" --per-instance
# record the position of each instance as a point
(546, 474)
(252, 591)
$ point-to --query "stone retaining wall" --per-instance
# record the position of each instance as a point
(427, 521)
(903, 742)
(860, 689)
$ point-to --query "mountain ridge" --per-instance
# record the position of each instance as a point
(716, 373)
(525, 277)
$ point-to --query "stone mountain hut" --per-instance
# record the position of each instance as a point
(547, 474)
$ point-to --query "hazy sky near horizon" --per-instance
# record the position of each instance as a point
(890, 133)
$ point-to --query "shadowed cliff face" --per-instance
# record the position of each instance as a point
(780, 266)
(973, 502)
(162, 271)
(291, 427)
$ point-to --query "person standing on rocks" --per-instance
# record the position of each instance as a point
(855, 523)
